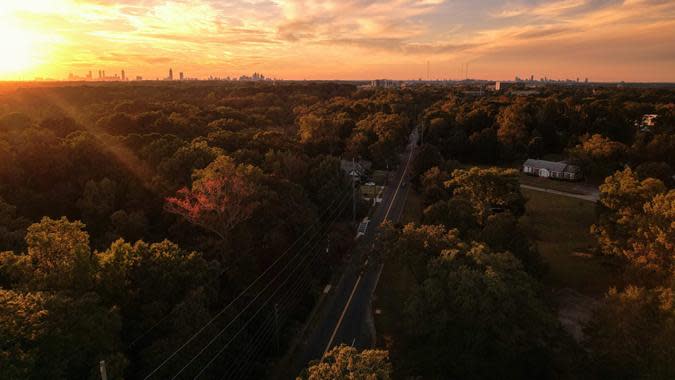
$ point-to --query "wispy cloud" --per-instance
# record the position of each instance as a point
(312, 39)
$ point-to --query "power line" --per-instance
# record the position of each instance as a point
(144, 334)
(250, 303)
(255, 281)
(257, 312)
(243, 364)
(239, 367)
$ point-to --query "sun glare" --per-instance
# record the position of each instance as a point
(18, 45)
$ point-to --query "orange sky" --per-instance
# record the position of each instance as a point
(604, 40)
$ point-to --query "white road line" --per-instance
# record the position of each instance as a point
(405, 170)
(344, 311)
(358, 280)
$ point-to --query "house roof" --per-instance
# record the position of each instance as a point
(551, 166)
(359, 167)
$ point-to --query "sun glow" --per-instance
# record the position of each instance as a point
(18, 45)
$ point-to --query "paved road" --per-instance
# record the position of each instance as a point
(592, 197)
(346, 311)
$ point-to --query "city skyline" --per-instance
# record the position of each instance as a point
(360, 39)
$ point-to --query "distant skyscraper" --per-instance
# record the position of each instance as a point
(123, 76)
(181, 75)
(103, 74)
(532, 78)
(170, 74)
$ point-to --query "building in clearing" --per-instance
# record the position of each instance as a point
(550, 169)
(357, 169)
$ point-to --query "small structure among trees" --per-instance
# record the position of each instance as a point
(550, 169)
(357, 169)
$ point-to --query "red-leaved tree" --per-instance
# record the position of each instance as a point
(221, 197)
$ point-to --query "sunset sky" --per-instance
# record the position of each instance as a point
(604, 40)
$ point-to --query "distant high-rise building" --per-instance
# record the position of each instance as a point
(103, 74)
(123, 75)
(170, 74)
(532, 78)
(181, 75)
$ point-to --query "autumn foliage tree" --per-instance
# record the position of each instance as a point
(221, 197)
(636, 224)
(345, 362)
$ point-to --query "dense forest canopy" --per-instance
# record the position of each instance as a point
(130, 211)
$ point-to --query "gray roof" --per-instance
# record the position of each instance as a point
(551, 166)
(359, 167)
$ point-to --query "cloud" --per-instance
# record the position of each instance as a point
(325, 37)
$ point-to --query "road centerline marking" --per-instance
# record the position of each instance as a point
(344, 311)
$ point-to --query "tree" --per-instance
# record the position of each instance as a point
(60, 255)
(503, 233)
(652, 246)
(629, 225)
(427, 157)
(478, 314)
(98, 202)
(432, 183)
(12, 227)
(453, 213)
(222, 196)
(484, 145)
(52, 335)
(631, 334)
(598, 154)
(413, 246)
(514, 123)
(658, 170)
(488, 189)
(345, 362)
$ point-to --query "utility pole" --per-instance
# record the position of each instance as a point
(104, 372)
(276, 325)
(353, 191)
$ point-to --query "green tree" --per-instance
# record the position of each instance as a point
(488, 189)
(478, 314)
(427, 157)
(414, 245)
(631, 334)
(51, 335)
(60, 255)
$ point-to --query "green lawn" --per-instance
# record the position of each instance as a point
(582, 188)
(560, 227)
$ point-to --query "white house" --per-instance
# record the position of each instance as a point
(550, 169)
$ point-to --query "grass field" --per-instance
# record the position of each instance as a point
(581, 188)
(560, 227)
